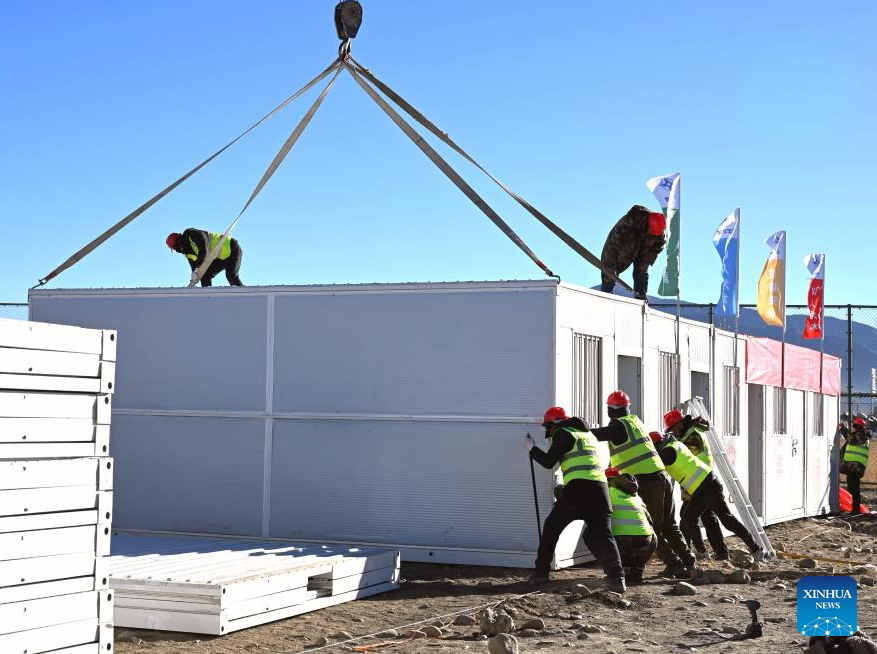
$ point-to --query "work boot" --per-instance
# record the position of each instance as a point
(617, 585)
(675, 571)
(759, 554)
(634, 578)
(538, 578)
(701, 555)
(722, 555)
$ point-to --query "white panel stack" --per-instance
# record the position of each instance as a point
(219, 585)
(56, 481)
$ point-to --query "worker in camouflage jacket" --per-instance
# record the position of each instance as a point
(637, 239)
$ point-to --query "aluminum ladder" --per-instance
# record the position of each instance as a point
(729, 475)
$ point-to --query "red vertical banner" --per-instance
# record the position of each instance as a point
(815, 309)
(815, 296)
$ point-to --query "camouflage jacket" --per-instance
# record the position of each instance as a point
(630, 241)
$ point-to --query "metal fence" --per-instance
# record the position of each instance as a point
(15, 310)
(850, 333)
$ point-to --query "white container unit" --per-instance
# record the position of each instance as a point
(381, 414)
(56, 482)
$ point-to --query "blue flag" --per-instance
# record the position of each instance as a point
(727, 242)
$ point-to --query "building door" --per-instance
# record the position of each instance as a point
(700, 387)
(630, 381)
(756, 447)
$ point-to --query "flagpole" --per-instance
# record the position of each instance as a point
(783, 356)
(678, 288)
(737, 302)
(822, 328)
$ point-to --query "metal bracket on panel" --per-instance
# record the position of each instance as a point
(102, 440)
(104, 410)
(104, 509)
(107, 376)
(105, 637)
(105, 606)
(101, 573)
(105, 474)
(102, 540)
(108, 345)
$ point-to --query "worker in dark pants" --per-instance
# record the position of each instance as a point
(854, 457)
(704, 487)
(690, 431)
(194, 244)
(632, 452)
(631, 526)
(585, 496)
(637, 239)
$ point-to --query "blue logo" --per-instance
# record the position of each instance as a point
(827, 606)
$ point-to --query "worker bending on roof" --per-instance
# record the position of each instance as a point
(706, 491)
(690, 431)
(585, 495)
(632, 452)
(194, 244)
(631, 525)
(854, 455)
(637, 239)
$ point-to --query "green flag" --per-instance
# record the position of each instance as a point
(666, 189)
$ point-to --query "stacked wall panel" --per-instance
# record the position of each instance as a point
(56, 488)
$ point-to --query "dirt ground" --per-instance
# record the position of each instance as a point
(576, 613)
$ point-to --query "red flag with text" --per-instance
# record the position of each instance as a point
(815, 296)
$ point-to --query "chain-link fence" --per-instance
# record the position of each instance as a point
(15, 310)
(850, 333)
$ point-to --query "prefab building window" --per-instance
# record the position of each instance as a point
(586, 375)
(779, 411)
(818, 414)
(669, 382)
(731, 403)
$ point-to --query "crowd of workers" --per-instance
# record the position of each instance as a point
(629, 508)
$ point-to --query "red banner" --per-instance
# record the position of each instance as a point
(764, 366)
(815, 314)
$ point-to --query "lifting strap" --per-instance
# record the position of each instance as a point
(443, 136)
(275, 164)
(146, 205)
(451, 174)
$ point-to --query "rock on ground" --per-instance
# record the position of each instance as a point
(495, 622)
(684, 589)
(503, 644)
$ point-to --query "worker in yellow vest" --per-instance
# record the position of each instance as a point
(690, 431)
(194, 244)
(632, 452)
(631, 525)
(854, 458)
(706, 491)
(585, 495)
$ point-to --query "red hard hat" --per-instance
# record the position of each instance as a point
(673, 417)
(618, 399)
(657, 224)
(553, 414)
(612, 472)
(859, 421)
(656, 437)
(172, 239)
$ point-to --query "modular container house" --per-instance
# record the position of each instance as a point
(394, 414)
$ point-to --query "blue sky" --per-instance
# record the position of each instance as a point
(770, 106)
